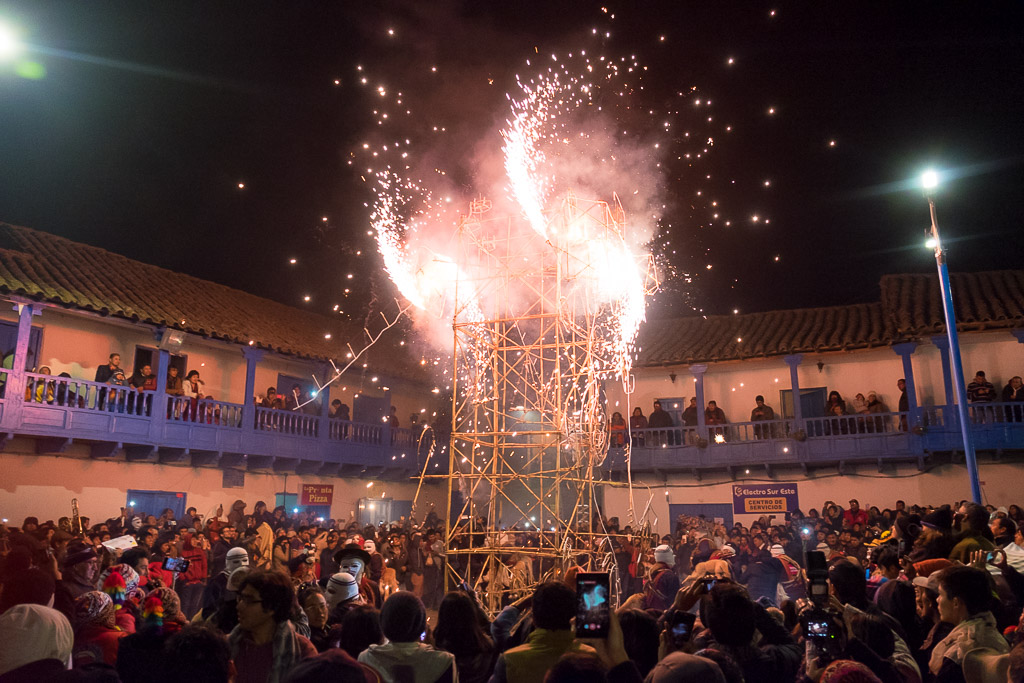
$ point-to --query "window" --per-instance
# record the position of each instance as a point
(145, 355)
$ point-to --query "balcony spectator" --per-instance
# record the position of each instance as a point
(637, 421)
(1013, 392)
(193, 388)
(904, 404)
(837, 423)
(875, 407)
(762, 413)
(393, 418)
(117, 398)
(617, 430)
(690, 420)
(834, 399)
(293, 400)
(44, 390)
(268, 400)
(144, 379)
(859, 404)
(715, 417)
(660, 419)
(339, 410)
(105, 372)
(980, 390)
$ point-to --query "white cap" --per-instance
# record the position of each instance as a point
(777, 550)
(236, 577)
(341, 587)
(663, 553)
(823, 547)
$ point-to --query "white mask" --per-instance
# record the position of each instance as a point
(236, 557)
(353, 566)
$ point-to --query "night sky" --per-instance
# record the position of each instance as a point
(150, 115)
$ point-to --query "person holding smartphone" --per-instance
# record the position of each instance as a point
(554, 606)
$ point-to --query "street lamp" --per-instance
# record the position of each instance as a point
(10, 45)
(929, 181)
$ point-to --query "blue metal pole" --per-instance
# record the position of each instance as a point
(954, 357)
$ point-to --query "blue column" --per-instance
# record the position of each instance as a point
(325, 406)
(252, 356)
(698, 374)
(904, 351)
(14, 391)
(794, 362)
(1019, 334)
(942, 342)
(158, 413)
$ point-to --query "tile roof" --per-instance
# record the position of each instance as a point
(910, 307)
(48, 268)
(986, 300)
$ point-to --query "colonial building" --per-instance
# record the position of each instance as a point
(795, 359)
(63, 435)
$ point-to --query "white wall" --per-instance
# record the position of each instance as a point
(1003, 484)
(734, 384)
(43, 486)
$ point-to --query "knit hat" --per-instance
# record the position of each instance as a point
(403, 619)
(153, 611)
(726, 551)
(171, 602)
(92, 607)
(663, 553)
(119, 581)
(823, 547)
(848, 671)
(777, 550)
(345, 585)
(77, 553)
(941, 519)
(32, 633)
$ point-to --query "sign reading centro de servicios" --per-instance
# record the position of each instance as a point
(767, 499)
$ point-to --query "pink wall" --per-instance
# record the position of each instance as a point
(734, 384)
(43, 486)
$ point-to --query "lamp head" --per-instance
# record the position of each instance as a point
(929, 179)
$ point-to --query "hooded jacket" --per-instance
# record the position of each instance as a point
(422, 661)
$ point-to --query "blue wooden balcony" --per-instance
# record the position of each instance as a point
(820, 442)
(156, 427)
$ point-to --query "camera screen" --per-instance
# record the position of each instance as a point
(817, 629)
(592, 605)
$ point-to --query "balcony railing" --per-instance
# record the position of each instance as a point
(163, 427)
(837, 439)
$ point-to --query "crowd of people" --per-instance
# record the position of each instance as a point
(906, 594)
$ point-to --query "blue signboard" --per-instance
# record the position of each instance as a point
(764, 499)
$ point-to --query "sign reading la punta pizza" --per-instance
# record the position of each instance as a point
(764, 499)
(316, 494)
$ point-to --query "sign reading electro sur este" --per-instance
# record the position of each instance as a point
(758, 499)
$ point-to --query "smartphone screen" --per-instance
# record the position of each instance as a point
(593, 606)
(682, 626)
(175, 564)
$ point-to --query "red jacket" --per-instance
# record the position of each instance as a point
(197, 569)
(859, 517)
